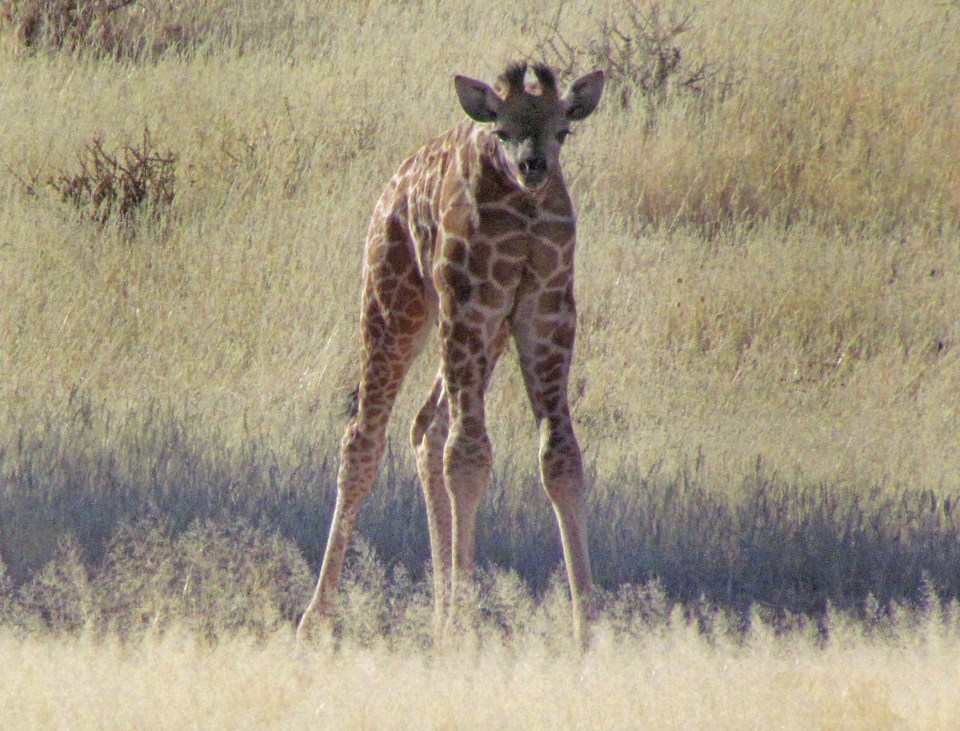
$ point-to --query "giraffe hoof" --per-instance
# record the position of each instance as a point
(315, 629)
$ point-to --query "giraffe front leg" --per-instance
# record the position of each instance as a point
(561, 471)
(429, 435)
(544, 338)
(468, 364)
(467, 460)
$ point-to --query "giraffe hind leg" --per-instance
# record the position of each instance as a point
(429, 434)
(391, 341)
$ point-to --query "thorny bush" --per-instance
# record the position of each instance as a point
(640, 52)
(114, 28)
(136, 180)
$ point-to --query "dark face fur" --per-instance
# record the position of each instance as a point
(530, 124)
(530, 134)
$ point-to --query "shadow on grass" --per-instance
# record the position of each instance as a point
(131, 523)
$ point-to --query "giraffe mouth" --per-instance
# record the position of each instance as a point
(533, 183)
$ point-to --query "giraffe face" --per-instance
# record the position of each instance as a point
(530, 131)
(530, 123)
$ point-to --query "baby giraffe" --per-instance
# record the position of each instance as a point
(475, 235)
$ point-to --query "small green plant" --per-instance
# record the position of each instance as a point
(138, 179)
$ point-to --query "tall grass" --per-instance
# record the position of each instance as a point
(767, 266)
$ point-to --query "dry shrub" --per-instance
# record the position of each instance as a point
(142, 583)
(61, 597)
(111, 28)
(215, 579)
(137, 179)
(641, 52)
(8, 605)
(139, 30)
(60, 24)
(236, 577)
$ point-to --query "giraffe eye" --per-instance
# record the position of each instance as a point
(502, 134)
(562, 135)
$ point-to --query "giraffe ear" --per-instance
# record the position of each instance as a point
(478, 100)
(584, 95)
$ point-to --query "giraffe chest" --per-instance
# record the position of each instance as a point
(505, 254)
(526, 241)
(471, 227)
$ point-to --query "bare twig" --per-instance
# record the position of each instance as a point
(639, 48)
(138, 178)
(30, 187)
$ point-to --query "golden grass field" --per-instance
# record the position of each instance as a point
(765, 385)
(673, 679)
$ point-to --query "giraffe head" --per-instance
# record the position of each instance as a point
(530, 121)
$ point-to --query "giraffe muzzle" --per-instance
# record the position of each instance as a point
(533, 172)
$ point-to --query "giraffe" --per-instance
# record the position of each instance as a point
(474, 237)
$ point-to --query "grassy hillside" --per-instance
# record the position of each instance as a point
(768, 277)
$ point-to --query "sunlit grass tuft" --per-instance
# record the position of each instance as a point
(668, 674)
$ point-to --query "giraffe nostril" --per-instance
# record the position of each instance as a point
(533, 165)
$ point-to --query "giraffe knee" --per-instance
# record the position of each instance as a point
(467, 463)
(356, 441)
(561, 469)
(360, 453)
(565, 487)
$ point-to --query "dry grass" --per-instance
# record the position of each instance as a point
(792, 547)
(768, 267)
(147, 29)
(670, 678)
(818, 346)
